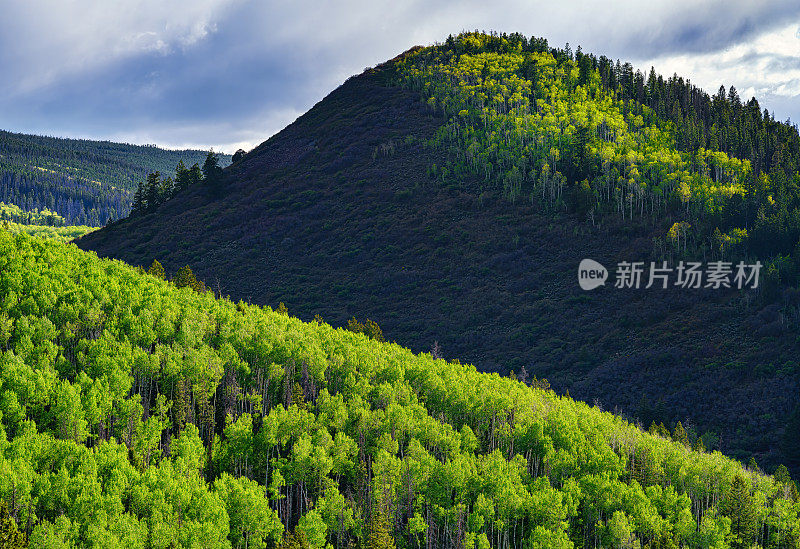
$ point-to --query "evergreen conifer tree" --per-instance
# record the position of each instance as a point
(738, 506)
(679, 435)
(10, 536)
(212, 173)
(156, 269)
(138, 199)
(195, 176)
(185, 277)
(182, 177)
(152, 193)
(380, 536)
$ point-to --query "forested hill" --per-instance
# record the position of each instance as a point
(139, 414)
(450, 194)
(84, 182)
(583, 134)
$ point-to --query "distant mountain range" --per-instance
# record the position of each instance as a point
(84, 182)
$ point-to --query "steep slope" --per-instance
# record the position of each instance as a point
(342, 214)
(137, 414)
(82, 182)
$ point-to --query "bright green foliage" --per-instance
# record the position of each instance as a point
(313, 529)
(572, 132)
(137, 414)
(11, 212)
(59, 233)
(782, 475)
(252, 521)
(526, 117)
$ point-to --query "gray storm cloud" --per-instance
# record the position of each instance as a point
(229, 73)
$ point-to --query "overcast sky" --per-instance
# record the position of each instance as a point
(230, 73)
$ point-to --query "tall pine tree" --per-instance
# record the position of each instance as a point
(10, 537)
(738, 506)
(380, 536)
(195, 175)
(152, 193)
(182, 177)
(212, 173)
(185, 278)
(138, 199)
(156, 269)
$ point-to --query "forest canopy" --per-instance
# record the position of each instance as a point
(576, 132)
(139, 414)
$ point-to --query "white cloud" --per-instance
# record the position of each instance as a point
(766, 67)
(44, 40)
(231, 72)
(226, 136)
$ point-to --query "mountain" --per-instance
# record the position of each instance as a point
(450, 194)
(139, 414)
(78, 181)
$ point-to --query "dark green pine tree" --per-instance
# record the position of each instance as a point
(166, 190)
(580, 163)
(372, 330)
(195, 175)
(10, 537)
(299, 397)
(182, 177)
(379, 535)
(185, 278)
(679, 435)
(156, 269)
(781, 474)
(138, 199)
(212, 173)
(738, 506)
(355, 326)
(294, 540)
(238, 155)
(152, 194)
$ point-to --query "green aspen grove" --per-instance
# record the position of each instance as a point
(136, 413)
